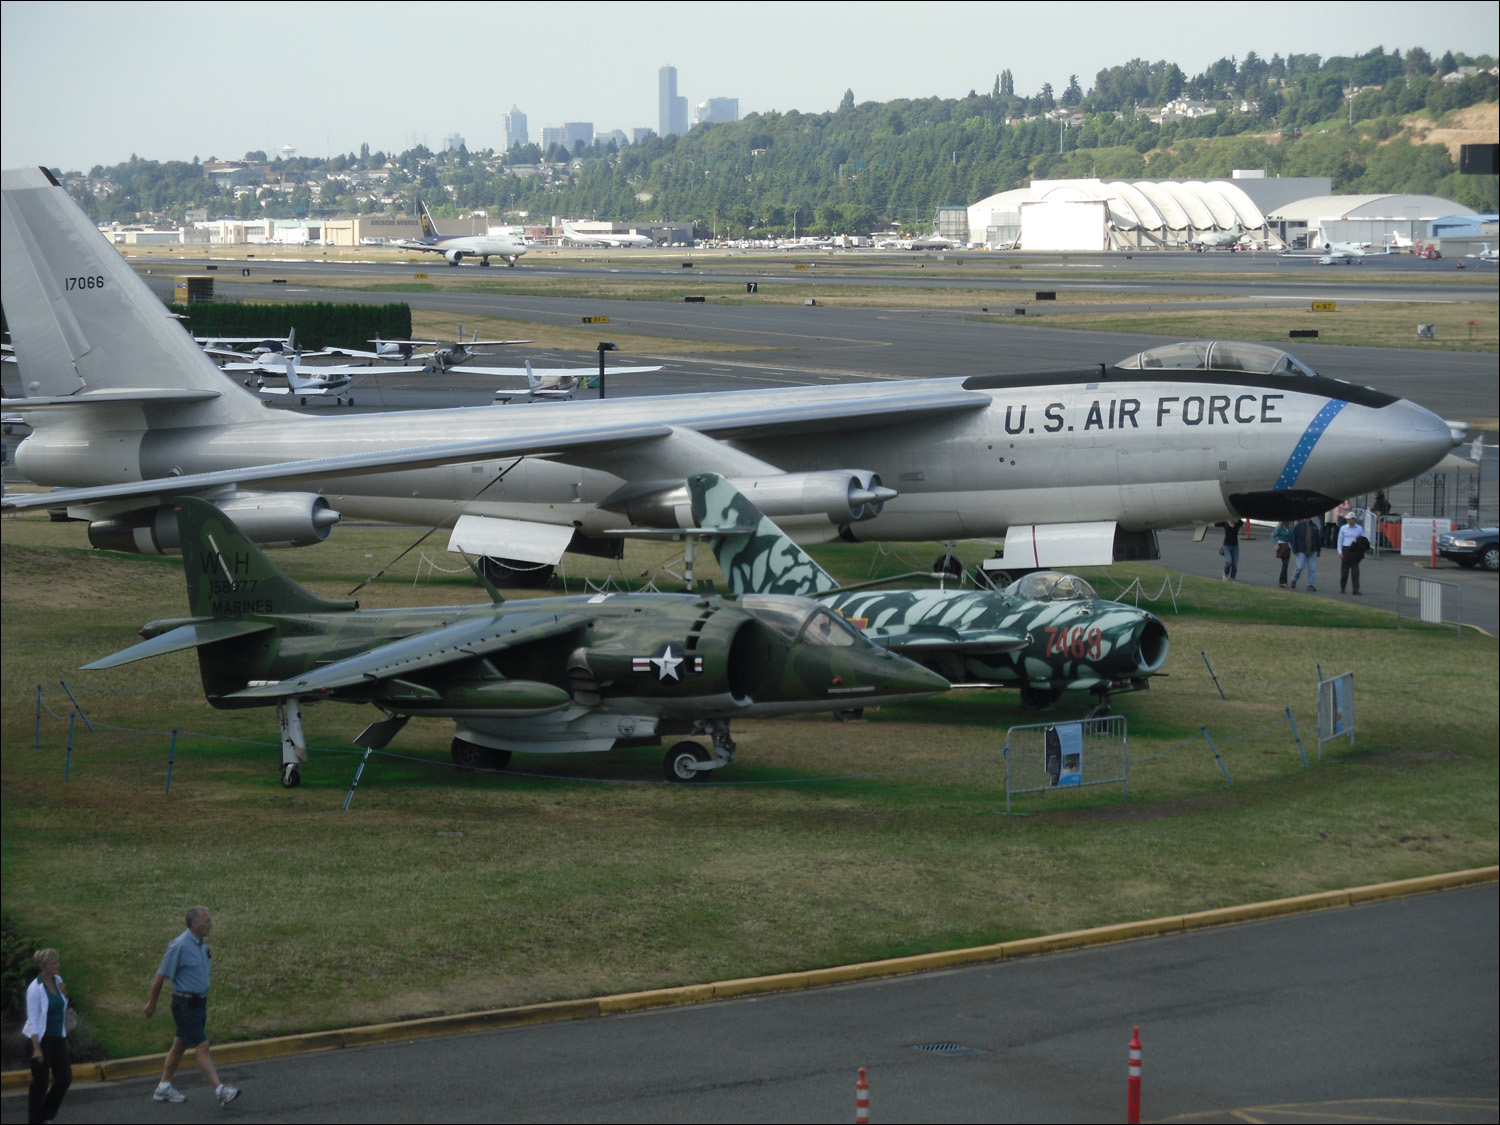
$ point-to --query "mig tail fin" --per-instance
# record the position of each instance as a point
(86, 329)
(756, 556)
(228, 576)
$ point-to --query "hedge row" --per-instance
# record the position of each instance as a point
(319, 324)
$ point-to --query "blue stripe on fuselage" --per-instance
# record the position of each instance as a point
(1293, 467)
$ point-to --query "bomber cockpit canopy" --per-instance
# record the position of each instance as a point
(1050, 586)
(798, 619)
(1217, 355)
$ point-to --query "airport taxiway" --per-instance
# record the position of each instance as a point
(1372, 1013)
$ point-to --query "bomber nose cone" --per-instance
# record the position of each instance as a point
(1417, 439)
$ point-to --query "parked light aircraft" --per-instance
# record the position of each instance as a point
(1339, 254)
(602, 238)
(1220, 239)
(550, 675)
(128, 411)
(444, 353)
(457, 247)
(1045, 634)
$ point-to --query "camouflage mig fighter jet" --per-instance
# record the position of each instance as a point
(541, 676)
(1046, 633)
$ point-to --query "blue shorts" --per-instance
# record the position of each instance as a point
(190, 1014)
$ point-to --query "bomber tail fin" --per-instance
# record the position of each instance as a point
(82, 321)
(228, 576)
(756, 556)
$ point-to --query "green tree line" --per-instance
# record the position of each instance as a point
(870, 164)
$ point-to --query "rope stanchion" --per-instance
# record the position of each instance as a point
(1213, 677)
(1298, 737)
(1133, 1081)
(68, 757)
(357, 775)
(861, 1100)
(1218, 759)
(171, 757)
(76, 707)
(36, 741)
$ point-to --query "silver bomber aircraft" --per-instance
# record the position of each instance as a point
(1045, 633)
(1068, 466)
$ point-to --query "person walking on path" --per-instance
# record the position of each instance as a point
(186, 964)
(1352, 548)
(1281, 543)
(47, 1028)
(1231, 549)
(1307, 545)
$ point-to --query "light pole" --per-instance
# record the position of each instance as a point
(603, 346)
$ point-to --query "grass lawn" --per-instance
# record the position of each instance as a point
(580, 874)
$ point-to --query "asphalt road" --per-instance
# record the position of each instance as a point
(1375, 1013)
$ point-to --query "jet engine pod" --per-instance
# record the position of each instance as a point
(841, 496)
(270, 519)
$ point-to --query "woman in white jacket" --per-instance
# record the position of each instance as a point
(47, 1028)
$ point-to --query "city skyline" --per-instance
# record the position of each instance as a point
(771, 57)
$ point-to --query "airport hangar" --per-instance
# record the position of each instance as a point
(1091, 215)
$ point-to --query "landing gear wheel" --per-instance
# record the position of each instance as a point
(1035, 699)
(517, 575)
(1099, 710)
(677, 766)
(472, 756)
(948, 565)
(291, 775)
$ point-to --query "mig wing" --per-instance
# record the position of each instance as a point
(464, 640)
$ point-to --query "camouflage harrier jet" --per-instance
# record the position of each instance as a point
(541, 676)
(1046, 633)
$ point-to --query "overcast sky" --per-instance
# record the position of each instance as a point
(91, 83)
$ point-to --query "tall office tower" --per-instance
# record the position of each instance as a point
(719, 110)
(513, 128)
(672, 111)
(578, 131)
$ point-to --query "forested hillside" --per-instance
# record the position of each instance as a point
(1361, 121)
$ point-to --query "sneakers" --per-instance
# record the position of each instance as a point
(1312, 589)
(168, 1093)
(227, 1093)
(1294, 584)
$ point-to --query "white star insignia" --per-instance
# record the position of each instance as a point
(666, 664)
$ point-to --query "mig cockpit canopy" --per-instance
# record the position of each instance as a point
(1050, 586)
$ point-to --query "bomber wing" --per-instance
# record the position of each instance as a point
(463, 640)
(837, 411)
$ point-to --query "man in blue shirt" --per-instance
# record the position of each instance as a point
(186, 964)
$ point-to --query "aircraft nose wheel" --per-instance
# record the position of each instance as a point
(291, 776)
(680, 760)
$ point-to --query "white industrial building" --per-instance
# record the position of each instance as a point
(1090, 215)
(1316, 221)
(1095, 215)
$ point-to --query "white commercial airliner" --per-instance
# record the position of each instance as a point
(601, 238)
(1069, 467)
(457, 247)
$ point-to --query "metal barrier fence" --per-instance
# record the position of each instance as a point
(1335, 709)
(1430, 601)
(1044, 756)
